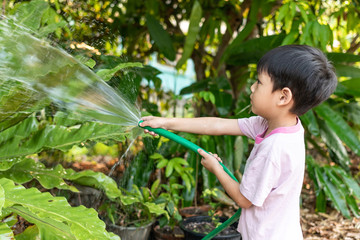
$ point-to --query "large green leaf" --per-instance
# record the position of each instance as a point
(310, 122)
(194, 28)
(335, 121)
(352, 86)
(30, 14)
(335, 146)
(53, 215)
(161, 37)
(27, 169)
(51, 22)
(6, 164)
(332, 192)
(351, 183)
(320, 194)
(347, 71)
(252, 50)
(17, 102)
(342, 57)
(337, 180)
(196, 87)
(53, 229)
(238, 152)
(344, 90)
(107, 74)
(29, 137)
(95, 179)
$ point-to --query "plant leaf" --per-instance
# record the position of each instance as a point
(180, 161)
(82, 222)
(6, 164)
(94, 179)
(157, 209)
(194, 28)
(161, 37)
(347, 71)
(30, 233)
(107, 74)
(335, 145)
(339, 126)
(349, 181)
(169, 169)
(338, 181)
(52, 229)
(309, 120)
(27, 169)
(332, 192)
(162, 163)
(342, 57)
(252, 50)
(28, 138)
(49, 178)
(29, 14)
(5, 232)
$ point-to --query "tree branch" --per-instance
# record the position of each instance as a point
(354, 45)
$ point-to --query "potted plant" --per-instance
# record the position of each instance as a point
(168, 229)
(197, 227)
(205, 209)
(132, 215)
(172, 171)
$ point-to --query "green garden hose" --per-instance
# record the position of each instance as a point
(194, 147)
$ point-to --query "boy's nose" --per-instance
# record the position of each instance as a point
(252, 87)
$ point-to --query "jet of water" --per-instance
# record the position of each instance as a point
(47, 72)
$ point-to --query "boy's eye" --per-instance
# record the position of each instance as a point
(258, 81)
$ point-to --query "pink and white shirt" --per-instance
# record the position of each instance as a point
(272, 181)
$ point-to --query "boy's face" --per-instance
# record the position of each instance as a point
(263, 99)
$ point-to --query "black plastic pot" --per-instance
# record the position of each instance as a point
(191, 235)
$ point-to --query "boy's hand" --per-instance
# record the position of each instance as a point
(153, 122)
(210, 161)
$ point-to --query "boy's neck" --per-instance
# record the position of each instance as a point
(286, 120)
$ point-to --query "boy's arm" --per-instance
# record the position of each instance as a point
(203, 125)
(232, 188)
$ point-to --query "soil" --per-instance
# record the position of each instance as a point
(206, 227)
(166, 233)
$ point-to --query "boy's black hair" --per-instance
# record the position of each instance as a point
(304, 70)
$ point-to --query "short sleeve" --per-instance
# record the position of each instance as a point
(260, 178)
(253, 126)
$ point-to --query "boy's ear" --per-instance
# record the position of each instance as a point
(286, 96)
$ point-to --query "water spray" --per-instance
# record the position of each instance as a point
(192, 146)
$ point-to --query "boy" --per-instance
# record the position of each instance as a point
(292, 80)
